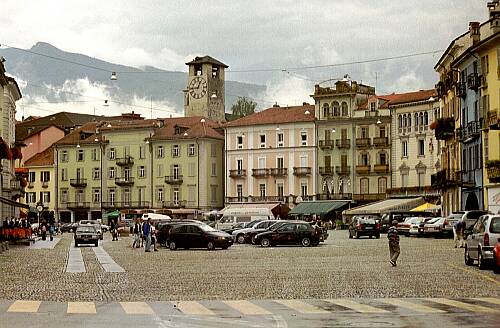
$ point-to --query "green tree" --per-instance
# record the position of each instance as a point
(243, 107)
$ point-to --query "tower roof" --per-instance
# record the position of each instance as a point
(206, 60)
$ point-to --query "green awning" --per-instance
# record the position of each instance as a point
(114, 214)
(318, 208)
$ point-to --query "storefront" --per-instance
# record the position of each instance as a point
(494, 199)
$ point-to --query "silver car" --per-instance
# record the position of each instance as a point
(483, 238)
(86, 234)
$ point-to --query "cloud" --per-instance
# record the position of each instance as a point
(287, 91)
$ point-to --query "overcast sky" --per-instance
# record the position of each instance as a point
(252, 35)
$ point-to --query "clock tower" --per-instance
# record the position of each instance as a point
(204, 95)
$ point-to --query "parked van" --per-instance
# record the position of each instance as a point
(233, 216)
(155, 217)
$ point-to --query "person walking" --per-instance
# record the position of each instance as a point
(146, 231)
(392, 235)
(137, 234)
(458, 234)
(153, 237)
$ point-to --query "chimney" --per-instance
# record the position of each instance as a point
(305, 104)
(276, 104)
(474, 33)
(494, 10)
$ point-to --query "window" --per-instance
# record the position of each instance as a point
(404, 148)
(80, 155)
(96, 195)
(80, 196)
(280, 190)
(142, 152)
(262, 163)
(64, 195)
(191, 193)
(31, 196)
(159, 170)
(64, 156)
(326, 110)
(140, 196)
(126, 198)
(303, 189)
(382, 185)
(175, 196)
(303, 138)
(213, 194)
(345, 111)
(111, 196)
(404, 179)
(191, 169)
(64, 174)
(336, 108)
(280, 163)
(281, 140)
(159, 152)
(421, 179)
(364, 159)
(239, 141)
(239, 192)
(214, 169)
(213, 150)
(175, 151)
(364, 186)
(96, 173)
(215, 72)
(372, 106)
(191, 150)
(112, 153)
(95, 154)
(111, 172)
(421, 147)
(382, 159)
(381, 132)
(239, 166)
(31, 176)
(364, 133)
(45, 176)
(262, 190)
(142, 171)
(159, 194)
(262, 141)
(486, 146)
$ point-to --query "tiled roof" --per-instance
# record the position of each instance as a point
(43, 158)
(206, 59)
(276, 115)
(192, 126)
(400, 98)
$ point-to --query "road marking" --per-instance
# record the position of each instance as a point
(81, 307)
(75, 260)
(488, 300)
(247, 308)
(462, 305)
(25, 306)
(301, 307)
(483, 276)
(358, 307)
(411, 306)
(136, 308)
(108, 264)
(193, 308)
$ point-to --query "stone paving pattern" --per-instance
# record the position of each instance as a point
(338, 268)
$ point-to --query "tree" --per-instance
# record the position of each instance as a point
(243, 107)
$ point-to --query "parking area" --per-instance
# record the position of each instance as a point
(340, 267)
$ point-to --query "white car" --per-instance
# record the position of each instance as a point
(415, 229)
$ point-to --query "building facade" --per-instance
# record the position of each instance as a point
(40, 189)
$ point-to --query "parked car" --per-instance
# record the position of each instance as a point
(240, 235)
(301, 233)
(496, 258)
(95, 223)
(164, 229)
(105, 228)
(192, 235)
(69, 227)
(437, 228)
(404, 227)
(86, 234)
(364, 226)
(250, 235)
(237, 226)
(483, 238)
(470, 218)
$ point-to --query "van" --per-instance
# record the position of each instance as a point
(155, 217)
(233, 216)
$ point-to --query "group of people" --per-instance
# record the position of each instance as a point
(144, 235)
(15, 228)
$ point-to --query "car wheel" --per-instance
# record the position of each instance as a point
(481, 264)
(172, 246)
(210, 246)
(377, 236)
(468, 260)
(240, 238)
(265, 242)
(254, 240)
(225, 247)
(306, 242)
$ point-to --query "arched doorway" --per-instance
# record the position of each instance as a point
(472, 202)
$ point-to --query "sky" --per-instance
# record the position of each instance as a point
(284, 35)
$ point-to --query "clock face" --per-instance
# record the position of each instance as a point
(197, 87)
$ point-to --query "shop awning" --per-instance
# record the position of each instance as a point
(12, 203)
(386, 206)
(270, 206)
(427, 207)
(318, 208)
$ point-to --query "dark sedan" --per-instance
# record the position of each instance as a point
(292, 233)
(164, 229)
(192, 235)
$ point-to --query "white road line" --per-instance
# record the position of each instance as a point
(301, 307)
(409, 305)
(193, 308)
(461, 305)
(247, 308)
(358, 307)
(75, 260)
(108, 264)
(81, 308)
(25, 306)
(488, 300)
(136, 308)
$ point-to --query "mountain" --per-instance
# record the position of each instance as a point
(161, 86)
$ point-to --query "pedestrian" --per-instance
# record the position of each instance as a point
(458, 234)
(114, 232)
(146, 231)
(392, 235)
(51, 231)
(137, 234)
(153, 237)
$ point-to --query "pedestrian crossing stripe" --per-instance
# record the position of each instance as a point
(358, 307)
(136, 308)
(193, 308)
(301, 307)
(461, 305)
(247, 308)
(25, 306)
(410, 306)
(488, 300)
(81, 308)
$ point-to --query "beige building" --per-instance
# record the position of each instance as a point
(271, 156)
(41, 180)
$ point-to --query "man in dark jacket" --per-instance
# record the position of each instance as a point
(392, 235)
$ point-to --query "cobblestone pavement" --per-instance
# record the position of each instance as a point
(339, 268)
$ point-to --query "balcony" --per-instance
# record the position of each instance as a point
(461, 89)
(174, 204)
(363, 169)
(445, 128)
(473, 81)
(241, 199)
(175, 179)
(268, 199)
(325, 144)
(368, 197)
(493, 120)
(343, 170)
(238, 173)
(484, 82)
(326, 170)
(493, 174)
(413, 192)
(381, 142)
(78, 183)
(126, 204)
(279, 172)
(302, 171)
(45, 184)
(343, 143)
(260, 172)
(343, 196)
(469, 132)
(446, 179)
(125, 161)
(363, 143)
(124, 181)
(78, 205)
(381, 168)
(31, 185)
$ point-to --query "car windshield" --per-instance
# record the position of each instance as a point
(495, 225)
(207, 228)
(409, 220)
(276, 225)
(86, 229)
(367, 221)
(434, 220)
(251, 224)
